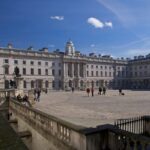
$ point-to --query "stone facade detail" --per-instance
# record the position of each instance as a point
(63, 70)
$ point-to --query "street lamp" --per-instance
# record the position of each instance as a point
(4, 74)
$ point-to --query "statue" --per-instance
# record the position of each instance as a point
(16, 71)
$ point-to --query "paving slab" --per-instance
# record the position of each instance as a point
(90, 111)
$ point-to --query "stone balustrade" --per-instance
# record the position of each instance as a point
(67, 134)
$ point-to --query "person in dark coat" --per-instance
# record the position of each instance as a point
(38, 94)
(100, 90)
(104, 90)
(120, 91)
(92, 91)
(88, 91)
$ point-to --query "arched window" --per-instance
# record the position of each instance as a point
(70, 83)
(81, 83)
(46, 84)
(60, 83)
(32, 84)
(24, 84)
(97, 83)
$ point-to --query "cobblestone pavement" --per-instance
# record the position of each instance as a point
(80, 109)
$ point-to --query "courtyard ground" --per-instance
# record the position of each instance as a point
(80, 109)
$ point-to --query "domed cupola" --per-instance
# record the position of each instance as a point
(70, 49)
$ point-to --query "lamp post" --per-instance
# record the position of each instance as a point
(4, 74)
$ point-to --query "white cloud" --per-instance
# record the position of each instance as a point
(92, 45)
(95, 22)
(109, 24)
(122, 11)
(99, 24)
(60, 18)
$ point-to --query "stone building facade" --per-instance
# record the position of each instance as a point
(63, 70)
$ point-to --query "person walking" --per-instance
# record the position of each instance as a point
(38, 95)
(35, 92)
(104, 90)
(92, 91)
(88, 91)
(120, 91)
(72, 89)
(100, 90)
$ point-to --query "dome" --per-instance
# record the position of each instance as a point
(70, 50)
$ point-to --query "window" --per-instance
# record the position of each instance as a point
(24, 62)
(46, 71)
(101, 67)
(105, 74)
(59, 64)
(24, 84)
(53, 84)
(101, 73)
(97, 83)
(53, 72)
(53, 64)
(105, 67)
(97, 73)
(32, 62)
(46, 84)
(46, 63)
(87, 73)
(32, 84)
(87, 66)
(59, 83)
(6, 61)
(59, 72)
(92, 66)
(145, 67)
(109, 74)
(32, 71)
(6, 71)
(24, 71)
(15, 61)
(92, 74)
(39, 71)
(96, 66)
(39, 63)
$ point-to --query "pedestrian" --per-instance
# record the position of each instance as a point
(35, 92)
(100, 91)
(120, 91)
(104, 90)
(72, 89)
(92, 91)
(88, 91)
(38, 95)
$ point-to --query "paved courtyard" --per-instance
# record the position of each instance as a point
(80, 109)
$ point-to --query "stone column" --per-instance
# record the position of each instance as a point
(72, 70)
(84, 70)
(66, 69)
(78, 70)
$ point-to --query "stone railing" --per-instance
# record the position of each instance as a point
(69, 136)
(124, 140)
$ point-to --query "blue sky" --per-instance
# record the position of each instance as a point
(116, 27)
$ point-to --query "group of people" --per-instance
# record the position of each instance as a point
(37, 94)
(102, 91)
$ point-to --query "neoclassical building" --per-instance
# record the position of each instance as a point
(61, 70)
